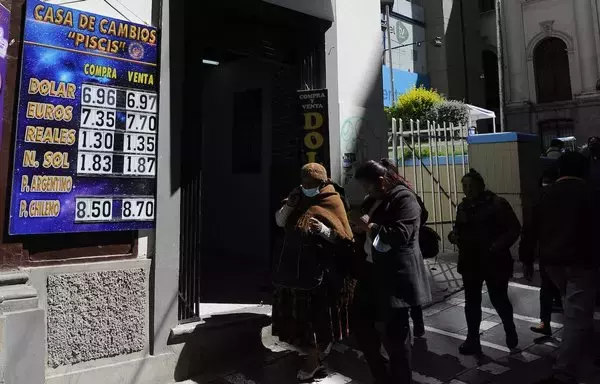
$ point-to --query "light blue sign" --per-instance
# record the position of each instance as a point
(403, 81)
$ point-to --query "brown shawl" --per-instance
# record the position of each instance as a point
(327, 207)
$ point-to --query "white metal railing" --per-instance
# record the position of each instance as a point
(433, 157)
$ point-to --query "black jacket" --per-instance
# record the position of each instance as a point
(564, 226)
(400, 273)
(486, 228)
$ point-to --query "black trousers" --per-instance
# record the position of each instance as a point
(498, 291)
(393, 330)
(416, 314)
(549, 294)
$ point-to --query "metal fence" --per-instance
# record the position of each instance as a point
(434, 158)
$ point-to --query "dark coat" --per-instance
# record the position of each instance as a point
(400, 279)
(563, 227)
(486, 228)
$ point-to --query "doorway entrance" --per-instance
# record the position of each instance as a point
(244, 64)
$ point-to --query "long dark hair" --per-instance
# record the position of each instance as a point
(372, 170)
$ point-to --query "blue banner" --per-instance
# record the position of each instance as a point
(4, 29)
(403, 81)
(86, 133)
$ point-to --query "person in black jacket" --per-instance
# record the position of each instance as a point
(486, 227)
(567, 250)
(394, 277)
(550, 300)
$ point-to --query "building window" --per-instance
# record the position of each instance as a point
(552, 75)
(555, 128)
(490, 73)
(246, 140)
(486, 5)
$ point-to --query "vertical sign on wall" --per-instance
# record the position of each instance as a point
(85, 153)
(314, 120)
(4, 29)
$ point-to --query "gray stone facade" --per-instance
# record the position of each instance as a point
(95, 315)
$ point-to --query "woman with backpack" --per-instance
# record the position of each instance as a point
(393, 278)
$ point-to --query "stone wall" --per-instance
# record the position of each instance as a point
(95, 315)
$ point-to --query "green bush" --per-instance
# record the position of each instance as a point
(414, 104)
(450, 112)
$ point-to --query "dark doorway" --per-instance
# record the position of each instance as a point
(244, 62)
(490, 73)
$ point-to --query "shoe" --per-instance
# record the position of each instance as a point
(470, 347)
(419, 331)
(310, 376)
(542, 329)
(512, 339)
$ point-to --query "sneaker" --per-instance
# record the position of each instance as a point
(419, 330)
(470, 347)
(542, 329)
(512, 339)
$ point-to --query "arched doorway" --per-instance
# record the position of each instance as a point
(552, 75)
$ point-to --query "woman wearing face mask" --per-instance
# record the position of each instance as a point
(312, 287)
(485, 229)
(394, 277)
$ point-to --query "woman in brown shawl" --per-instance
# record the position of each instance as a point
(312, 286)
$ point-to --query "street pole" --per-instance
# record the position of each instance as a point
(389, 39)
(499, 43)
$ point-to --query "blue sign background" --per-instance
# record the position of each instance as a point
(4, 28)
(49, 53)
(403, 82)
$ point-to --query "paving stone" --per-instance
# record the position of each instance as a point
(450, 320)
(494, 369)
(476, 376)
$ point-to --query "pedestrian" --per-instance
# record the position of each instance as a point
(566, 249)
(556, 149)
(486, 227)
(550, 299)
(312, 288)
(593, 148)
(393, 281)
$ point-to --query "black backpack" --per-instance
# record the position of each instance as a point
(429, 240)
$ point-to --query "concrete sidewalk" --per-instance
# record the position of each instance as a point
(435, 358)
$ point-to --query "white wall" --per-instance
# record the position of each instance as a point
(353, 46)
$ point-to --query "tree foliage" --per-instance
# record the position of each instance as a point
(414, 104)
(427, 104)
(450, 112)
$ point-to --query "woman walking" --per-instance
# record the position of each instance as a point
(393, 277)
(486, 227)
(312, 289)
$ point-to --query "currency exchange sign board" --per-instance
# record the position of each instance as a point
(86, 133)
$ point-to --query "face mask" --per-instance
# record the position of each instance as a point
(312, 192)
